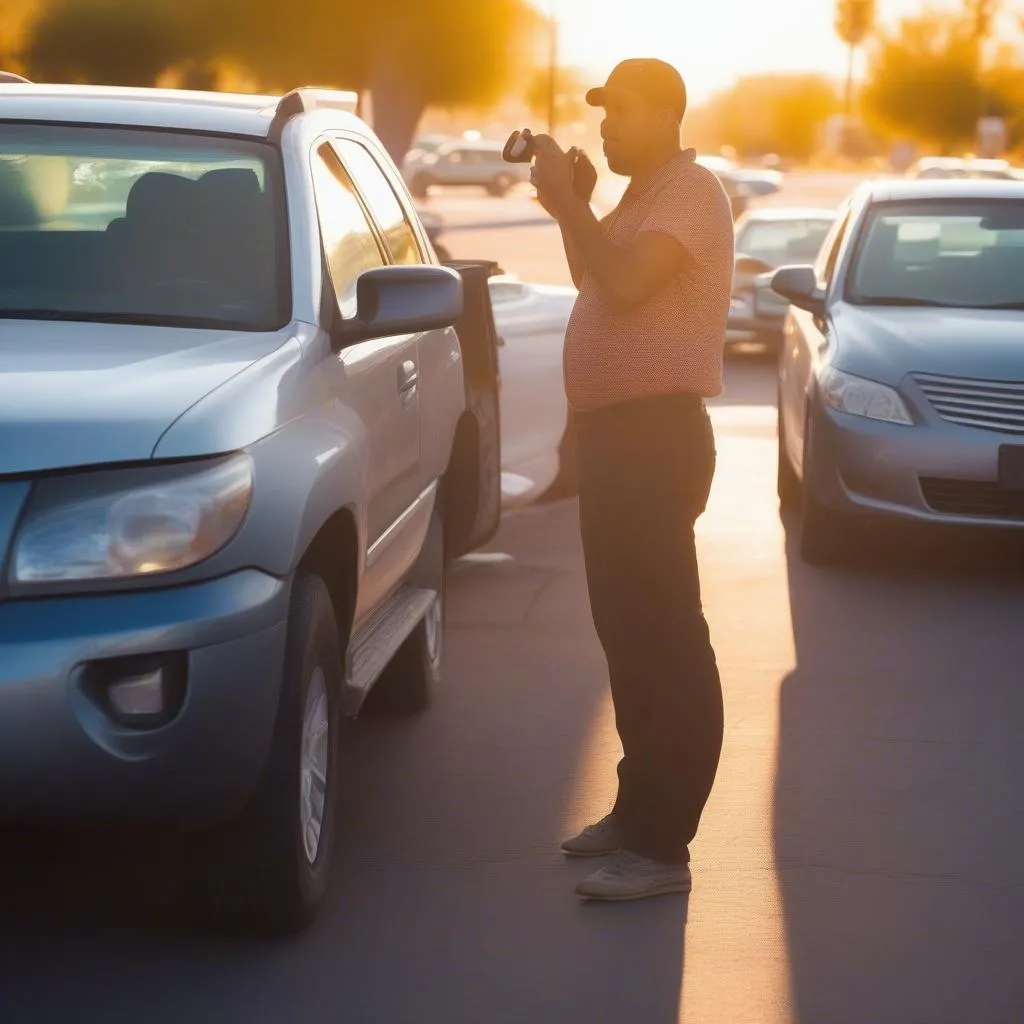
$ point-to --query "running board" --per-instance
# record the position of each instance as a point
(378, 639)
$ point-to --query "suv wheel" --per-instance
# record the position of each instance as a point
(407, 685)
(270, 866)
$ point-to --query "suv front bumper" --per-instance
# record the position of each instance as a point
(65, 758)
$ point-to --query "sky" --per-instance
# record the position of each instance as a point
(726, 39)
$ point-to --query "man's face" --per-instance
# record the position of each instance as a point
(632, 128)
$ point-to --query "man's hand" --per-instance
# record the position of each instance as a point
(584, 174)
(552, 175)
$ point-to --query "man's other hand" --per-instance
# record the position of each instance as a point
(584, 174)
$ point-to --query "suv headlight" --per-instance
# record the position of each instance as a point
(120, 524)
(860, 397)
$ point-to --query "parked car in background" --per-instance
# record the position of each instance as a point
(471, 164)
(901, 378)
(738, 192)
(767, 238)
(962, 167)
(537, 450)
(759, 182)
(240, 441)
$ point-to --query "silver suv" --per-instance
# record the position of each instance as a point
(246, 419)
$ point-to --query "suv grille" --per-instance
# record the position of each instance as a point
(972, 498)
(986, 404)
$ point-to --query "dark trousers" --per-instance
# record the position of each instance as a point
(645, 471)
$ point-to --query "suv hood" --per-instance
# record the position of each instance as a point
(886, 344)
(80, 394)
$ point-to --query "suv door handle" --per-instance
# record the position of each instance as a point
(407, 377)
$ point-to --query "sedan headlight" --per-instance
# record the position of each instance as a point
(121, 524)
(860, 397)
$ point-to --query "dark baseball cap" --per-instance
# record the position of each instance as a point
(657, 82)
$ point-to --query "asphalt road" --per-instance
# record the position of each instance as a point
(859, 860)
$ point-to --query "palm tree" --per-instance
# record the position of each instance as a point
(854, 22)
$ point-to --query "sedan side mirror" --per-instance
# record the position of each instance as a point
(799, 285)
(404, 300)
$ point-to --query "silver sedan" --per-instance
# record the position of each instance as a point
(901, 376)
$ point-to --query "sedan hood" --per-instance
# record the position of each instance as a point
(79, 394)
(886, 344)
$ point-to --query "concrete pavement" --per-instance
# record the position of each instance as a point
(858, 861)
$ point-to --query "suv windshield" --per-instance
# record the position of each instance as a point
(967, 254)
(784, 240)
(139, 226)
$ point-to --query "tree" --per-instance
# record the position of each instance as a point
(762, 114)
(927, 83)
(854, 21)
(407, 53)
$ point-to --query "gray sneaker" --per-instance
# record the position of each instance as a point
(595, 840)
(632, 877)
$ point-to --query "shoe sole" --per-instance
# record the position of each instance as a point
(663, 890)
(589, 853)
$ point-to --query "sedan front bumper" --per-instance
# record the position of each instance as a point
(933, 471)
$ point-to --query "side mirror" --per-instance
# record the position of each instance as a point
(799, 286)
(404, 300)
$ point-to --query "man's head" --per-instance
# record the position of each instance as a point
(644, 101)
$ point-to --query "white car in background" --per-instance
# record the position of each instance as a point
(537, 452)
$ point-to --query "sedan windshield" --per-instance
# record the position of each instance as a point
(783, 241)
(964, 254)
(136, 226)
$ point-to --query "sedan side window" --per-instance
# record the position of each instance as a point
(349, 242)
(384, 205)
(829, 253)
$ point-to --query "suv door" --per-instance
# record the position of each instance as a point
(376, 379)
(473, 513)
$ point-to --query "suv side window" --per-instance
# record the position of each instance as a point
(349, 242)
(384, 205)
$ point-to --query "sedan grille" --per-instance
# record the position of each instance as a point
(985, 404)
(972, 498)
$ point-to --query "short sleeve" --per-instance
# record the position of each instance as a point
(693, 209)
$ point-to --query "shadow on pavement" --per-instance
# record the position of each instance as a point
(899, 810)
(451, 904)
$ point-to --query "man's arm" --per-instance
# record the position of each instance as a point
(628, 275)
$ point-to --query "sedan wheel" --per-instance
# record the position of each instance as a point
(822, 537)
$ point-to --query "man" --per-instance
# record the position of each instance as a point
(643, 350)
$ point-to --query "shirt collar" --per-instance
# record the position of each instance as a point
(664, 173)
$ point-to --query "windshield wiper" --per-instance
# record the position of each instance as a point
(141, 319)
(1001, 305)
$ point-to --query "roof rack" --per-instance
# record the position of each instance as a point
(309, 98)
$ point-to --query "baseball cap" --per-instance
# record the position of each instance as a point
(653, 79)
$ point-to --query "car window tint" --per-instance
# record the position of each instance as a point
(382, 201)
(348, 238)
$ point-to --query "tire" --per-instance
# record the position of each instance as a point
(787, 483)
(407, 686)
(822, 538)
(268, 869)
(500, 186)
